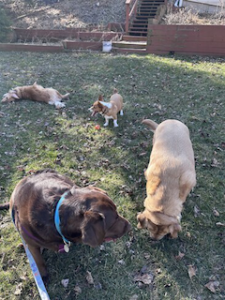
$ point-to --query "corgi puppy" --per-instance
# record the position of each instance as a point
(109, 109)
(36, 92)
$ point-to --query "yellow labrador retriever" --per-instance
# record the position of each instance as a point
(170, 177)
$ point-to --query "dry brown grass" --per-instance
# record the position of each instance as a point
(188, 16)
(66, 13)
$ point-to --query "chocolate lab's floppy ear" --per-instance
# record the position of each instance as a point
(91, 187)
(74, 189)
(93, 229)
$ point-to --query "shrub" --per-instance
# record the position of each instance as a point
(186, 16)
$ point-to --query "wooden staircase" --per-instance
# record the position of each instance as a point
(130, 44)
(138, 17)
(147, 9)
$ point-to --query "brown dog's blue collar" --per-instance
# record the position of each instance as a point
(57, 222)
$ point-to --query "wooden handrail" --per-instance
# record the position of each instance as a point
(130, 12)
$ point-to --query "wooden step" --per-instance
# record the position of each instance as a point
(152, 2)
(154, 7)
(144, 9)
(141, 17)
(138, 28)
(140, 20)
(130, 44)
(145, 14)
(138, 33)
(139, 25)
(129, 51)
(134, 38)
(149, 6)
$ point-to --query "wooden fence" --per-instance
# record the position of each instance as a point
(206, 40)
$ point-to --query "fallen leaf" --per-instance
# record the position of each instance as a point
(134, 297)
(215, 163)
(145, 278)
(191, 271)
(102, 248)
(196, 211)
(142, 154)
(121, 262)
(128, 244)
(77, 290)
(20, 168)
(147, 255)
(23, 277)
(98, 286)
(167, 285)
(188, 234)
(212, 285)
(220, 224)
(18, 290)
(216, 213)
(89, 278)
(179, 256)
(65, 282)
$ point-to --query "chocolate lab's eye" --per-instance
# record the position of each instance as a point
(103, 217)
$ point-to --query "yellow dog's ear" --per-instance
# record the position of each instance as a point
(174, 229)
(142, 222)
(161, 219)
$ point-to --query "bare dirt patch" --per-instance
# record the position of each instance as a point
(64, 13)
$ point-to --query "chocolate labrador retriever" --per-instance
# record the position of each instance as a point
(85, 215)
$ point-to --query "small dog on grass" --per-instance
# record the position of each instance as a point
(170, 177)
(109, 109)
(36, 92)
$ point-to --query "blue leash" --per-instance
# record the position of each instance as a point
(37, 276)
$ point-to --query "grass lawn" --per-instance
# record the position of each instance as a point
(34, 136)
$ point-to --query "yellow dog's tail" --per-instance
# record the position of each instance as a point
(153, 125)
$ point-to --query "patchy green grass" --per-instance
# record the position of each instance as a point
(35, 136)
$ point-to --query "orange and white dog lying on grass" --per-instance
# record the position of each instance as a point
(36, 92)
(109, 109)
(170, 177)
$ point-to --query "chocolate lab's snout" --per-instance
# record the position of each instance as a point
(128, 227)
